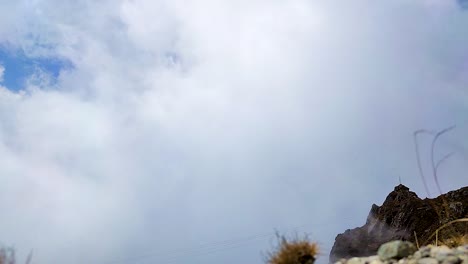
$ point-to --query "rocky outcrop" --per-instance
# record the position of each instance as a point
(402, 215)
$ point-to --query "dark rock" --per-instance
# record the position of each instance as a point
(401, 215)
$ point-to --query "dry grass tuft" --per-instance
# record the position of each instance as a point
(293, 251)
(456, 238)
(7, 256)
(455, 241)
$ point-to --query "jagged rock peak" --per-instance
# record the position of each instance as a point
(401, 215)
(400, 187)
(400, 194)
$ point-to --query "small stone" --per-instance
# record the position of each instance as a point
(368, 260)
(428, 261)
(354, 261)
(451, 260)
(376, 261)
(341, 261)
(417, 255)
(372, 258)
(425, 251)
(465, 261)
(461, 250)
(396, 250)
(463, 258)
(439, 250)
(443, 253)
(412, 261)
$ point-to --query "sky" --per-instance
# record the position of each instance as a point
(157, 131)
(21, 67)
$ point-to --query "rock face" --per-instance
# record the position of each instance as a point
(402, 215)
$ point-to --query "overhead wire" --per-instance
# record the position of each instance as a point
(202, 249)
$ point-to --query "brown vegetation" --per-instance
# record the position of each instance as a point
(293, 251)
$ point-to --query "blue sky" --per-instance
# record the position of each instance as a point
(172, 131)
(463, 3)
(18, 67)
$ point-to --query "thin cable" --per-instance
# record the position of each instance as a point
(434, 168)
(172, 259)
(418, 159)
(207, 246)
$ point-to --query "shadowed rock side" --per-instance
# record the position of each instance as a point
(402, 214)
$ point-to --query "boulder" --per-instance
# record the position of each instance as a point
(396, 250)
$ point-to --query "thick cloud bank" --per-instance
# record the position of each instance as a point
(191, 122)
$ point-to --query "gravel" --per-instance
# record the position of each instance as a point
(402, 252)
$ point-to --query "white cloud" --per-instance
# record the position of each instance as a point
(183, 123)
